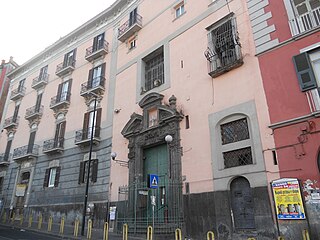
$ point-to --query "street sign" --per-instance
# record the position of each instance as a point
(153, 181)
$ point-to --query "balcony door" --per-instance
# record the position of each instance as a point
(69, 58)
(133, 17)
(98, 42)
(64, 91)
(38, 103)
(43, 72)
(21, 192)
(21, 85)
(15, 113)
(31, 142)
(59, 134)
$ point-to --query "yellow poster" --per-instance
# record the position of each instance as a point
(288, 200)
(20, 190)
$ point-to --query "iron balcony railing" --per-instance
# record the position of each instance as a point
(25, 151)
(68, 65)
(60, 99)
(5, 158)
(40, 80)
(52, 144)
(17, 93)
(10, 122)
(93, 84)
(84, 135)
(34, 111)
(97, 48)
(128, 24)
(305, 22)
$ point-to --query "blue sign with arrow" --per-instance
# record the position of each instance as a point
(153, 181)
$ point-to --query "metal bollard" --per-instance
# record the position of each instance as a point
(305, 234)
(4, 218)
(40, 221)
(30, 221)
(13, 217)
(210, 235)
(105, 231)
(125, 232)
(149, 233)
(178, 235)
(61, 226)
(50, 224)
(76, 227)
(21, 219)
(89, 229)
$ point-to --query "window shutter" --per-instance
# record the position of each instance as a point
(94, 174)
(59, 92)
(7, 151)
(69, 89)
(61, 133)
(103, 73)
(90, 79)
(74, 54)
(81, 173)
(98, 122)
(56, 180)
(46, 178)
(95, 44)
(16, 111)
(304, 71)
(38, 102)
(31, 141)
(85, 126)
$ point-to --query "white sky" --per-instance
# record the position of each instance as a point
(29, 26)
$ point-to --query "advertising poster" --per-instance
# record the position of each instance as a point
(20, 190)
(287, 197)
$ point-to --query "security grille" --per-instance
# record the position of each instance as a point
(234, 131)
(239, 157)
(154, 72)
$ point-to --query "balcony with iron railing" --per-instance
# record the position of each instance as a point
(224, 61)
(83, 137)
(11, 122)
(96, 51)
(53, 145)
(305, 22)
(17, 93)
(34, 112)
(96, 85)
(25, 152)
(129, 28)
(60, 101)
(40, 81)
(5, 159)
(65, 67)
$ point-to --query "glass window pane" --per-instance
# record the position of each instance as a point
(52, 177)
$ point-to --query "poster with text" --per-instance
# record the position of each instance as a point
(288, 200)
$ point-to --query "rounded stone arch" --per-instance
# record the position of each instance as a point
(234, 178)
(242, 203)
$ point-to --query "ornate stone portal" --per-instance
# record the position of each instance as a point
(149, 130)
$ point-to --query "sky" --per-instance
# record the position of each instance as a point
(29, 26)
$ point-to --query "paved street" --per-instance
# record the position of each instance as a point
(8, 233)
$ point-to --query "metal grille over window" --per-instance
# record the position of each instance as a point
(224, 50)
(154, 72)
(234, 131)
(239, 157)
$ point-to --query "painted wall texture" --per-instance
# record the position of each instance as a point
(176, 89)
(293, 109)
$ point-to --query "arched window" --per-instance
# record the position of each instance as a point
(242, 203)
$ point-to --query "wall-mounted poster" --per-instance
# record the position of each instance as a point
(287, 198)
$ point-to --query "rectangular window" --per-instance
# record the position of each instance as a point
(90, 120)
(15, 113)
(236, 143)
(84, 168)
(98, 42)
(133, 17)
(64, 91)
(69, 59)
(154, 69)
(21, 85)
(132, 43)
(96, 76)
(223, 52)
(179, 10)
(7, 151)
(43, 73)
(52, 176)
(59, 135)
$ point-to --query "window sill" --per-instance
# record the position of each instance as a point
(176, 18)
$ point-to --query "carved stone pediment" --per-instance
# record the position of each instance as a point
(151, 99)
(133, 126)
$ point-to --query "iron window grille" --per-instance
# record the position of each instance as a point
(224, 49)
(234, 131)
(154, 72)
(239, 157)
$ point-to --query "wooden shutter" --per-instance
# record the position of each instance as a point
(61, 133)
(304, 71)
(103, 73)
(38, 102)
(94, 170)
(7, 151)
(15, 114)
(90, 78)
(85, 127)
(46, 178)
(59, 93)
(31, 141)
(98, 123)
(95, 44)
(21, 85)
(81, 173)
(69, 89)
(56, 180)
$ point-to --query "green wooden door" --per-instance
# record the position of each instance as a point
(156, 162)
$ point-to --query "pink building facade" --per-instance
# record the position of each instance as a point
(288, 50)
(169, 97)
